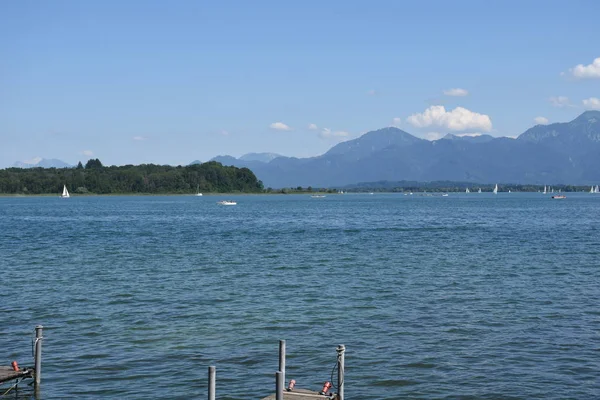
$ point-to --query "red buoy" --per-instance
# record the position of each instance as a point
(326, 387)
(291, 385)
(15, 366)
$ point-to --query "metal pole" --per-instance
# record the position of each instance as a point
(341, 349)
(38, 354)
(279, 385)
(212, 380)
(282, 358)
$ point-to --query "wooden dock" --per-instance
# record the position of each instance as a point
(8, 374)
(302, 394)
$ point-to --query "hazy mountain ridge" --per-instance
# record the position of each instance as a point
(39, 162)
(260, 157)
(544, 154)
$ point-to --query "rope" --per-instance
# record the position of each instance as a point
(34, 341)
(333, 371)
(12, 387)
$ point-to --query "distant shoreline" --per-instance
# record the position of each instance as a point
(280, 192)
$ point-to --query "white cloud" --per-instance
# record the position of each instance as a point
(34, 160)
(541, 120)
(327, 133)
(432, 136)
(593, 103)
(280, 126)
(372, 92)
(474, 134)
(456, 92)
(312, 127)
(88, 153)
(139, 138)
(459, 119)
(396, 121)
(560, 101)
(587, 71)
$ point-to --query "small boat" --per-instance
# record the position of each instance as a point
(592, 190)
(227, 203)
(198, 191)
(545, 189)
(496, 189)
(65, 193)
(479, 191)
(597, 190)
(559, 196)
(445, 195)
(467, 191)
(317, 196)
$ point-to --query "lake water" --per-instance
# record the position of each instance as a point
(460, 297)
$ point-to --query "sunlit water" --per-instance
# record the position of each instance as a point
(458, 297)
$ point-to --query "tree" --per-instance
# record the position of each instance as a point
(147, 178)
(79, 165)
(93, 164)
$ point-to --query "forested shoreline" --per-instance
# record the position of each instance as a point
(94, 178)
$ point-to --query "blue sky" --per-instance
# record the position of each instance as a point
(171, 82)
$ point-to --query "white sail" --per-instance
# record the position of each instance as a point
(479, 191)
(65, 193)
(592, 190)
(467, 191)
(597, 189)
(545, 191)
(496, 189)
(198, 191)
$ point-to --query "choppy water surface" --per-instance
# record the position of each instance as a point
(466, 296)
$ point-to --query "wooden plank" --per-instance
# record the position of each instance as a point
(302, 394)
(8, 374)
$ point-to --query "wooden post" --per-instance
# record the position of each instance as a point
(212, 380)
(341, 349)
(282, 358)
(279, 385)
(38, 354)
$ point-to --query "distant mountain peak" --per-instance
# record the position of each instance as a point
(590, 116)
(471, 138)
(41, 162)
(261, 157)
(374, 141)
(586, 127)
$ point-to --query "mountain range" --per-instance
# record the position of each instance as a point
(559, 153)
(39, 162)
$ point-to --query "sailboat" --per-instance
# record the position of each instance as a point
(479, 191)
(545, 190)
(496, 189)
(597, 190)
(592, 190)
(198, 191)
(65, 193)
(467, 191)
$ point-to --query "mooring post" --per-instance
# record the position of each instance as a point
(282, 358)
(341, 349)
(38, 354)
(212, 380)
(279, 385)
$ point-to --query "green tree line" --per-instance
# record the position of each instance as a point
(146, 178)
